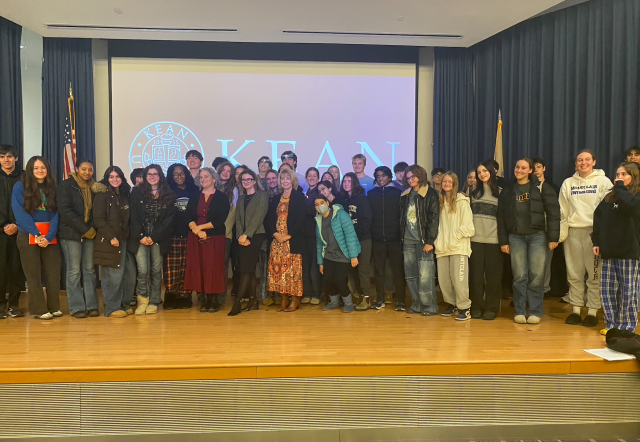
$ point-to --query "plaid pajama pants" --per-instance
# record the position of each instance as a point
(174, 266)
(619, 287)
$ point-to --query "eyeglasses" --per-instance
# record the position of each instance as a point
(289, 155)
(247, 180)
(177, 175)
(264, 162)
(411, 177)
(203, 241)
(152, 174)
(438, 175)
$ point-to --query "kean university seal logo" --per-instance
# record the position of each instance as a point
(163, 143)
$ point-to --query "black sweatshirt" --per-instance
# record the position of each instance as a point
(616, 226)
(6, 188)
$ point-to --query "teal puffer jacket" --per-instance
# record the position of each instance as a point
(343, 231)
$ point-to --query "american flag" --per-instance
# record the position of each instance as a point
(70, 138)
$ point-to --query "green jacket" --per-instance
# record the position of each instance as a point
(343, 231)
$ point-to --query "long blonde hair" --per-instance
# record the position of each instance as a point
(453, 195)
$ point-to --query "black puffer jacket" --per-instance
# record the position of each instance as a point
(6, 188)
(427, 212)
(359, 209)
(162, 227)
(71, 209)
(385, 213)
(543, 203)
(111, 217)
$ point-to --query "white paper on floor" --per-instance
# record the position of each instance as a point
(610, 355)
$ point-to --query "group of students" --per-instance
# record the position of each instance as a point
(316, 235)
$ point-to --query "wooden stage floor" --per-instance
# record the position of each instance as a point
(187, 344)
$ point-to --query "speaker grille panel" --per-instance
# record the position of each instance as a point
(316, 404)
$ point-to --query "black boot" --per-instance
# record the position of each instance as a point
(237, 307)
(206, 304)
(170, 301)
(213, 304)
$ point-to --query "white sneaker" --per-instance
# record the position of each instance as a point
(57, 314)
(46, 316)
(520, 319)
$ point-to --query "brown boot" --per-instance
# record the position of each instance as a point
(285, 303)
(295, 302)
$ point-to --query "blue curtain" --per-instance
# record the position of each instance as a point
(454, 123)
(564, 81)
(67, 61)
(10, 85)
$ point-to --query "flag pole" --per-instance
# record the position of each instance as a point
(498, 154)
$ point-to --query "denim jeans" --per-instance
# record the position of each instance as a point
(113, 284)
(149, 261)
(130, 278)
(78, 257)
(528, 263)
(419, 271)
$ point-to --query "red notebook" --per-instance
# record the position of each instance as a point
(43, 228)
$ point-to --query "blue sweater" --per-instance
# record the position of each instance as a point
(344, 232)
(27, 221)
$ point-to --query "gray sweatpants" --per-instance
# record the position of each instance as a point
(583, 268)
(453, 275)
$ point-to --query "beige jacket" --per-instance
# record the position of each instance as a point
(455, 229)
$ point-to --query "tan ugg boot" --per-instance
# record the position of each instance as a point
(142, 305)
(118, 314)
(152, 309)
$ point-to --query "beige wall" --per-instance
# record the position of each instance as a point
(31, 71)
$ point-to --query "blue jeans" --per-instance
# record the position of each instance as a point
(528, 263)
(149, 261)
(113, 284)
(78, 257)
(419, 271)
(130, 278)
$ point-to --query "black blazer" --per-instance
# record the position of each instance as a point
(295, 221)
(162, 228)
(216, 214)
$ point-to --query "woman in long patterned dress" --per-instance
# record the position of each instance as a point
(284, 223)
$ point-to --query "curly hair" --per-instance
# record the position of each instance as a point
(227, 188)
(32, 196)
(188, 178)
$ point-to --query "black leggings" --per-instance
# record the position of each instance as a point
(335, 278)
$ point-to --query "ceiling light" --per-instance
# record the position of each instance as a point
(136, 29)
(117, 11)
(372, 34)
